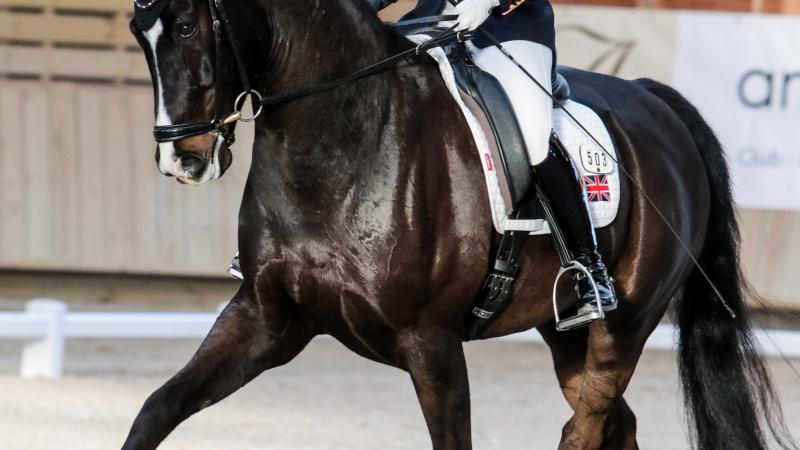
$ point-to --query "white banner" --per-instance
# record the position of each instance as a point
(743, 72)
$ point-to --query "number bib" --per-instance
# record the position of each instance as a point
(595, 160)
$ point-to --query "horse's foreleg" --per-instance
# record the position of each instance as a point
(439, 372)
(243, 342)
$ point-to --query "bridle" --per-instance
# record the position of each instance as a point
(223, 124)
(221, 25)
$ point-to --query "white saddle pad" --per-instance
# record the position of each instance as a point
(598, 171)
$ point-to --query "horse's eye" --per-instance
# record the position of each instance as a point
(185, 29)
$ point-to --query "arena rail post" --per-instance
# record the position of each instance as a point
(43, 356)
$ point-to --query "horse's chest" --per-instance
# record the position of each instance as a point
(343, 304)
(329, 284)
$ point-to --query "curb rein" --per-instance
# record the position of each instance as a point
(222, 125)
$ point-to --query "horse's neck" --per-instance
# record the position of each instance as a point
(322, 138)
(313, 42)
(331, 139)
(357, 147)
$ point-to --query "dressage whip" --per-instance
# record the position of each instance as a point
(627, 174)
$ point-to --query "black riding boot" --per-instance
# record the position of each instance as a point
(567, 214)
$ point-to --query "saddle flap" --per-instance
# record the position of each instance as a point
(504, 130)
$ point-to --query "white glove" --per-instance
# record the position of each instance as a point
(472, 13)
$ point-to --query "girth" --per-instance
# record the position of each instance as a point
(496, 291)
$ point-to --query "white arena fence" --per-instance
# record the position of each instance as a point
(45, 325)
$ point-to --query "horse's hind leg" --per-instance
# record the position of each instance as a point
(246, 339)
(439, 372)
(593, 373)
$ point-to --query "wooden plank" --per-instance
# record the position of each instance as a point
(78, 63)
(116, 174)
(168, 221)
(37, 171)
(196, 236)
(64, 167)
(86, 5)
(65, 29)
(13, 225)
(90, 179)
(145, 175)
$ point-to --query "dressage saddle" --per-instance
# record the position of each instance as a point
(487, 100)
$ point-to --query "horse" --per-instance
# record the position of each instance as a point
(364, 218)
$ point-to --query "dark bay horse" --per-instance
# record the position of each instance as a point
(365, 217)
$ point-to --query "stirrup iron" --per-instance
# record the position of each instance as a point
(578, 320)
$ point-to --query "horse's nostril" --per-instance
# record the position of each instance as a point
(158, 155)
(191, 163)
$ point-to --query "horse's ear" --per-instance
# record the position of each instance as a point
(146, 12)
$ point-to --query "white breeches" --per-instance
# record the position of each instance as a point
(534, 109)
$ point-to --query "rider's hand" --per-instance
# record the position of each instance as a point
(472, 13)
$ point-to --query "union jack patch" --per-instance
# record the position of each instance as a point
(597, 189)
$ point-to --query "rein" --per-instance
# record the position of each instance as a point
(445, 37)
(223, 125)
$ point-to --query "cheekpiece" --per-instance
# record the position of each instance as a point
(146, 12)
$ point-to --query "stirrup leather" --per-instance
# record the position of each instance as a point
(579, 320)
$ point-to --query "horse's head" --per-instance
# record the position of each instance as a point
(195, 82)
(200, 69)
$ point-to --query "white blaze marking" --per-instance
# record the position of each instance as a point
(166, 160)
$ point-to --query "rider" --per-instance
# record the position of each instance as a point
(526, 29)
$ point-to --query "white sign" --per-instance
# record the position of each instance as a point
(742, 71)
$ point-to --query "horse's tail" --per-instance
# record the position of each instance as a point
(726, 387)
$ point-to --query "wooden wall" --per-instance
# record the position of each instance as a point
(79, 40)
(79, 190)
